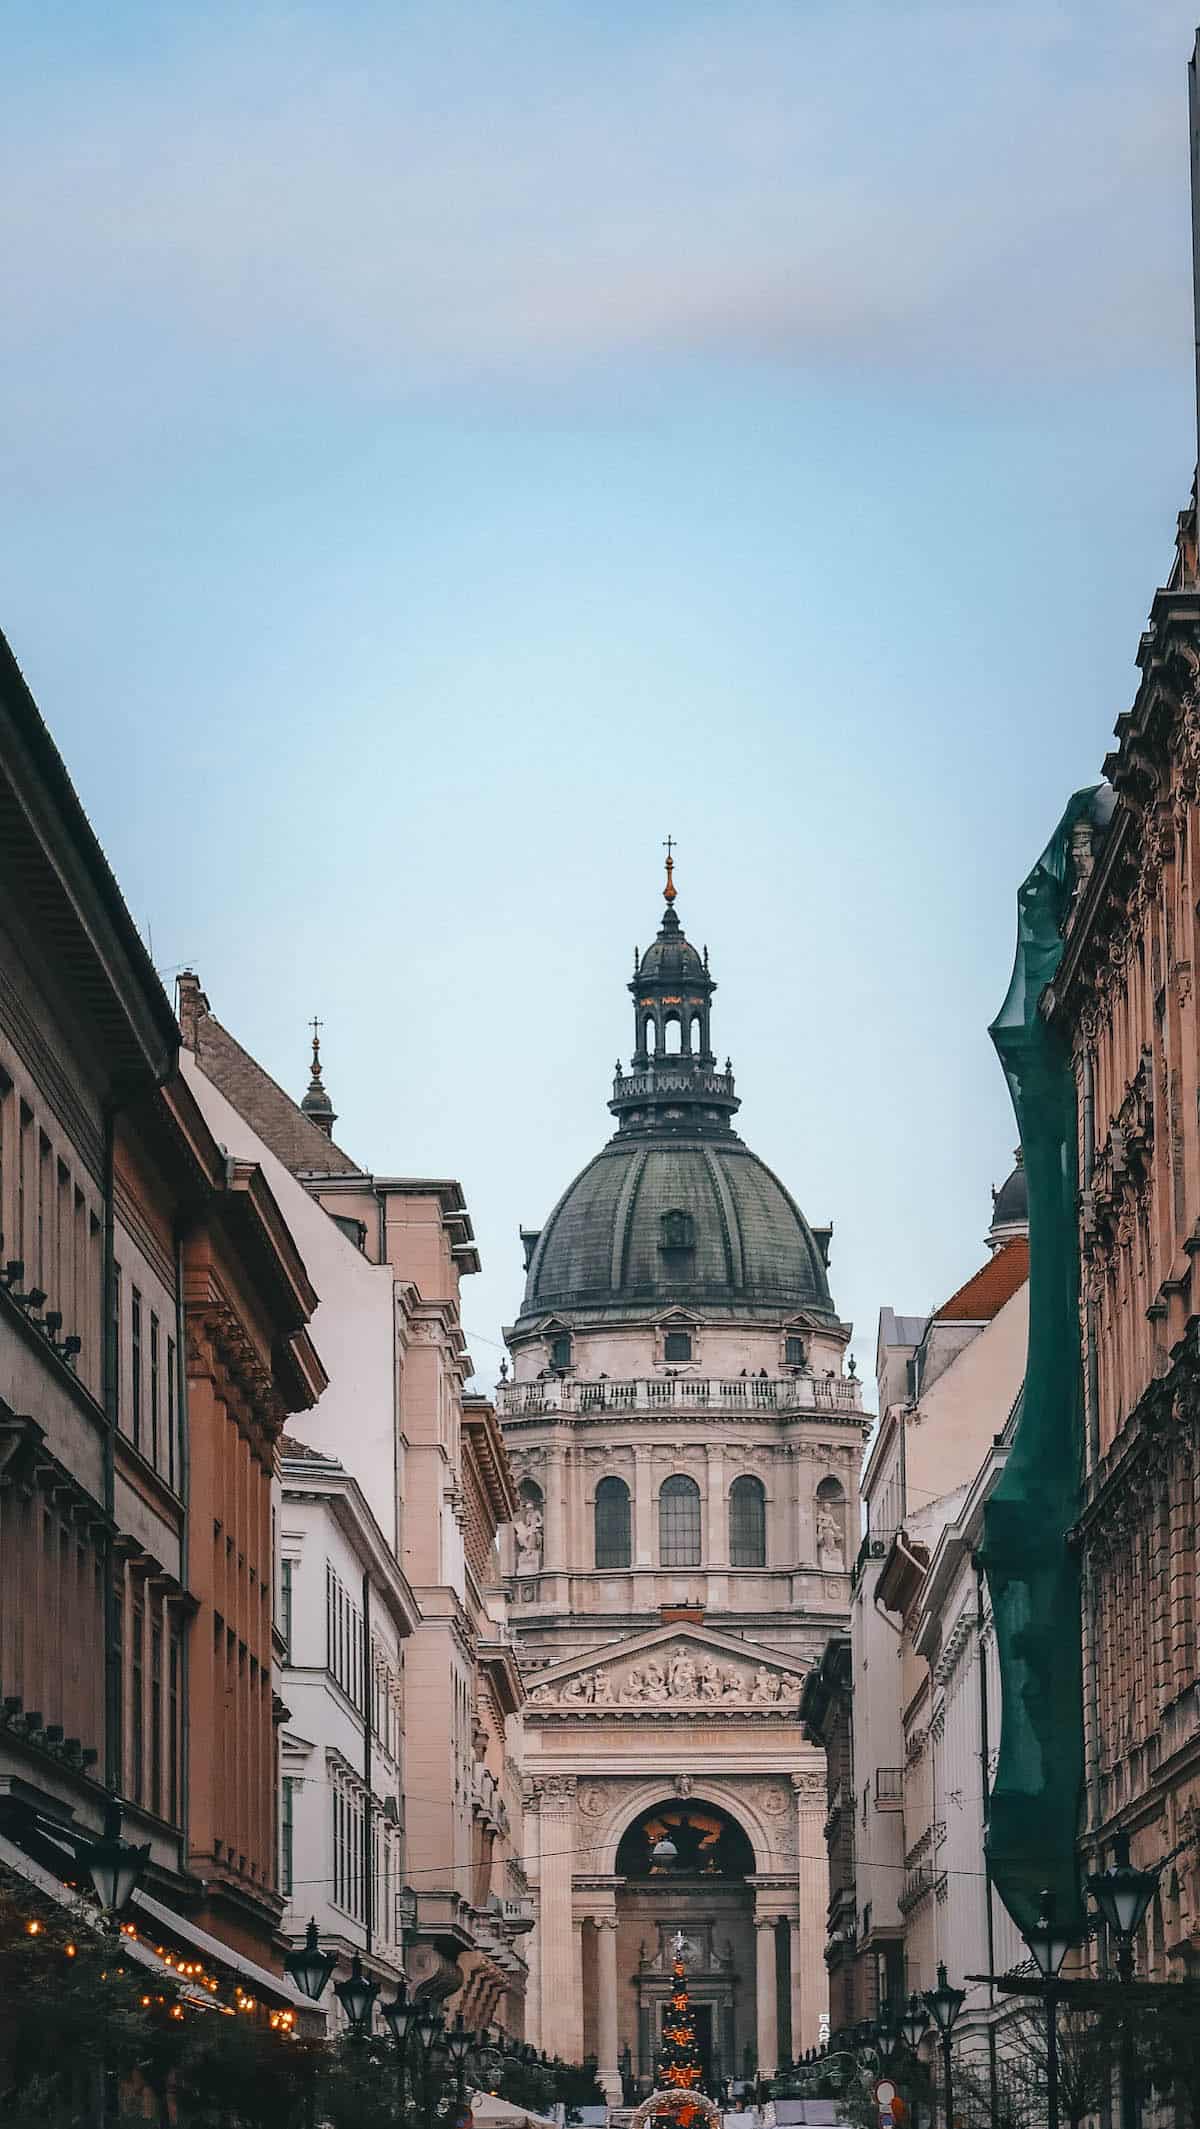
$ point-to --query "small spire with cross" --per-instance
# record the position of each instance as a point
(316, 1104)
(669, 890)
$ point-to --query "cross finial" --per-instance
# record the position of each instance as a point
(669, 890)
(316, 1026)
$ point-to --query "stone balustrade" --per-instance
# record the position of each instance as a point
(838, 1396)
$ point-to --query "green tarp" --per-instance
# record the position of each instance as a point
(1032, 1573)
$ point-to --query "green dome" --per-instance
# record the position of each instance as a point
(693, 1222)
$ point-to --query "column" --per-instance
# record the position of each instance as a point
(558, 1952)
(809, 1971)
(645, 1550)
(795, 1954)
(533, 1960)
(552, 1532)
(606, 2022)
(764, 1994)
(718, 1511)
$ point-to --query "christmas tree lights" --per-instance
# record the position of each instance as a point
(679, 2067)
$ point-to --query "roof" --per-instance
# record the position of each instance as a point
(676, 1224)
(279, 1121)
(995, 1283)
(62, 886)
(289, 1446)
(901, 1330)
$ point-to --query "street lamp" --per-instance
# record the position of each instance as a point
(1050, 1942)
(943, 2005)
(914, 2021)
(1123, 1894)
(357, 1994)
(459, 2043)
(114, 1865)
(308, 1966)
(398, 2016)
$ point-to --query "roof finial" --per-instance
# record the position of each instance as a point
(316, 1104)
(669, 889)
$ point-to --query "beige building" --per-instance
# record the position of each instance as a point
(386, 1255)
(920, 1681)
(686, 1446)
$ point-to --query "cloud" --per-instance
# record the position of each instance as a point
(388, 198)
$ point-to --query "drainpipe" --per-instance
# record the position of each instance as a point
(984, 1759)
(183, 1447)
(109, 1392)
(368, 1810)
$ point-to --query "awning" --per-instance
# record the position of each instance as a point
(486, 2107)
(276, 1989)
(52, 1888)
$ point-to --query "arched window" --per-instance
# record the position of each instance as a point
(679, 1523)
(560, 1349)
(747, 1523)
(649, 1036)
(612, 1523)
(697, 1034)
(672, 1036)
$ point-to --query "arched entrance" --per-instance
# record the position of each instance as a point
(706, 1894)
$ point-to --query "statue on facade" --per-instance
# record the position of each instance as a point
(710, 1679)
(830, 1550)
(633, 1685)
(765, 1689)
(682, 1676)
(654, 1684)
(602, 1691)
(576, 1692)
(528, 1527)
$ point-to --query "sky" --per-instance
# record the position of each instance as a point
(447, 448)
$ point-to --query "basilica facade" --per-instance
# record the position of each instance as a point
(686, 1442)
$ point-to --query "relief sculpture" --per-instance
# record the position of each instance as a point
(678, 1679)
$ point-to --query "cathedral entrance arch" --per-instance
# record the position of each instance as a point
(685, 1867)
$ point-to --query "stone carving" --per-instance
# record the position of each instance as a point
(683, 1785)
(830, 1549)
(678, 1679)
(592, 1803)
(810, 1789)
(773, 1800)
(528, 1527)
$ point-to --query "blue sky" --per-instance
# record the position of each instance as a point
(448, 447)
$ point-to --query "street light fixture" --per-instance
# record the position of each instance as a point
(357, 1994)
(914, 2021)
(459, 2043)
(114, 1865)
(1050, 1942)
(1123, 1894)
(398, 2016)
(943, 2005)
(308, 1966)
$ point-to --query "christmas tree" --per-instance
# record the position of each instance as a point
(679, 2064)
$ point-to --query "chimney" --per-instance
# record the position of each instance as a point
(190, 1005)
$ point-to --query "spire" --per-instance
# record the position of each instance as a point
(316, 1104)
(674, 1083)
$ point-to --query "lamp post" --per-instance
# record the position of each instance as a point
(1050, 1944)
(1123, 1894)
(427, 2025)
(459, 2043)
(357, 1994)
(308, 1966)
(943, 2005)
(398, 2017)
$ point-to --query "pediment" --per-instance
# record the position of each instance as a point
(685, 1670)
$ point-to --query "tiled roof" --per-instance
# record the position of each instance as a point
(289, 1446)
(278, 1120)
(995, 1283)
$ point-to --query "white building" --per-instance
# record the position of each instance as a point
(344, 1612)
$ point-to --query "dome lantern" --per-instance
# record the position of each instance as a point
(673, 1079)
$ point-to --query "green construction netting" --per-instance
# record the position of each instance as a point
(1032, 1574)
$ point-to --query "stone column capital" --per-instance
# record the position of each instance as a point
(810, 1789)
(766, 1921)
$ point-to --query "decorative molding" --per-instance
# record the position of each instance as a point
(670, 1682)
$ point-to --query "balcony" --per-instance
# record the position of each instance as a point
(830, 1396)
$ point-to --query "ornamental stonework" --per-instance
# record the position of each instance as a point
(673, 1681)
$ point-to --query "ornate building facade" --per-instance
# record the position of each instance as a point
(686, 1445)
(1124, 999)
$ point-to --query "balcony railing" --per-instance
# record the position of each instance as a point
(837, 1395)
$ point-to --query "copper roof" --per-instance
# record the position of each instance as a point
(995, 1283)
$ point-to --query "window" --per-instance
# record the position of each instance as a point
(115, 1328)
(154, 1388)
(118, 1657)
(794, 1351)
(747, 1523)
(173, 1659)
(612, 1523)
(43, 1210)
(560, 1350)
(171, 1414)
(25, 1122)
(343, 1637)
(678, 1230)
(135, 1361)
(137, 1741)
(285, 1605)
(679, 1523)
(287, 1829)
(156, 1718)
(677, 1345)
